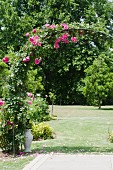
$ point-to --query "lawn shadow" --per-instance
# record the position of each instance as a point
(106, 108)
(74, 150)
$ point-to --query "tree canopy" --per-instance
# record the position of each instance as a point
(98, 82)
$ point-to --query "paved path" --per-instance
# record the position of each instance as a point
(71, 162)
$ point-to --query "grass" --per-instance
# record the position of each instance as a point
(15, 163)
(78, 129)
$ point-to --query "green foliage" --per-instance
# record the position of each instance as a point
(34, 80)
(98, 82)
(39, 110)
(42, 131)
(6, 141)
(13, 123)
(4, 72)
(15, 23)
(52, 96)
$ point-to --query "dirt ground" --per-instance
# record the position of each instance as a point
(5, 156)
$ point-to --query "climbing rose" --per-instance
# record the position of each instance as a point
(29, 94)
(37, 61)
(34, 31)
(52, 26)
(29, 102)
(65, 26)
(64, 36)
(5, 59)
(47, 25)
(27, 34)
(26, 59)
(74, 39)
(32, 98)
(56, 45)
(35, 40)
(9, 123)
(58, 40)
(1, 102)
(66, 41)
(31, 39)
(39, 44)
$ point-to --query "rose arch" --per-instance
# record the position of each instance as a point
(41, 42)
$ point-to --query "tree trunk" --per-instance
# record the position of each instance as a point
(99, 103)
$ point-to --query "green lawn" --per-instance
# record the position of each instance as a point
(15, 163)
(78, 129)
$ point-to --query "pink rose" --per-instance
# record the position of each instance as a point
(58, 40)
(56, 45)
(9, 123)
(37, 61)
(39, 44)
(74, 39)
(26, 59)
(5, 59)
(52, 26)
(66, 41)
(27, 34)
(32, 98)
(29, 102)
(65, 26)
(31, 39)
(64, 36)
(35, 40)
(1, 102)
(47, 25)
(29, 94)
(34, 31)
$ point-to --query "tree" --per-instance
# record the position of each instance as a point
(98, 82)
(16, 18)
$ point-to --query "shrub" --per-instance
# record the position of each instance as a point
(12, 124)
(39, 110)
(6, 141)
(5, 144)
(42, 131)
